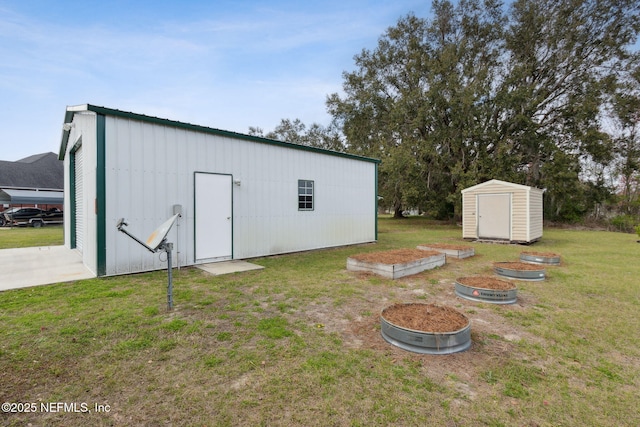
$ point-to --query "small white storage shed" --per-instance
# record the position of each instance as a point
(499, 210)
(239, 196)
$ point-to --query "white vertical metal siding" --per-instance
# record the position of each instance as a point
(84, 128)
(151, 167)
(143, 182)
(79, 195)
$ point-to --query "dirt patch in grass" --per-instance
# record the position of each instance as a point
(397, 256)
(522, 266)
(492, 339)
(425, 317)
(486, 282)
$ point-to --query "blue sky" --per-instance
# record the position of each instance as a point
(223, 64)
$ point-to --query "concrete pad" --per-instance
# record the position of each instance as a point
(43, 265)
(226, 267)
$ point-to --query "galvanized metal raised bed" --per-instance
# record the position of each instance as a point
(452, 251)
(505, 270)
(484, 294)
(426, 342)
(397, 270)
(535, 258)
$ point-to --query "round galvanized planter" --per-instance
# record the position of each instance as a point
(540, 259)
(528, 275)
(493, 296)
(426, 342)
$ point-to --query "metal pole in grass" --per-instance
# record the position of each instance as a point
(168, 247)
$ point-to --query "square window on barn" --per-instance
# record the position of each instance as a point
(305, 195)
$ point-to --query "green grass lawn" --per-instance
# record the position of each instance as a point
(299, 343)
(22, 237)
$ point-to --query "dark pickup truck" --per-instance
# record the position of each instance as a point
(31, 217)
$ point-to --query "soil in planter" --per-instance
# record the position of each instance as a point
(446, 246)
(425, 317)
(398, 256)
(485, 282)
(542, 254)
(522, 266)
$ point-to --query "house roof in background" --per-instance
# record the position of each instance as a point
(39, 171)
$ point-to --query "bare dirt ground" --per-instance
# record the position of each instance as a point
(492, 339)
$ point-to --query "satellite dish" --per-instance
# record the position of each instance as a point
(160, 233)
(156, 242)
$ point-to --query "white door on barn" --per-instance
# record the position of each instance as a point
(213, 217)
(494, 216)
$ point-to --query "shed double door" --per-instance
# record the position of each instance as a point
(494, 216)
(213, 217)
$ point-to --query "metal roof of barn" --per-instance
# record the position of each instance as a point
(72, 110)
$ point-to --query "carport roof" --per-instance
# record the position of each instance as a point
(15, 197)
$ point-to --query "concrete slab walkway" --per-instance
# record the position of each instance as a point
(43, 265)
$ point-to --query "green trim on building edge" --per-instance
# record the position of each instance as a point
(101, 196)
(72, 196)
(375, 178)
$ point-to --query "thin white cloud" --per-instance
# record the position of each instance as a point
(244, 65)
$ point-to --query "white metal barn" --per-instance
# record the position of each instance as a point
(239, 196)
(499, 210)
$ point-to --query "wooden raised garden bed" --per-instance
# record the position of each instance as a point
(396, 263)
(426, 328)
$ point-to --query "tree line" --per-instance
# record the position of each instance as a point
(544, 93)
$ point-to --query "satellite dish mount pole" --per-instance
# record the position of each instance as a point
(168, 247)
